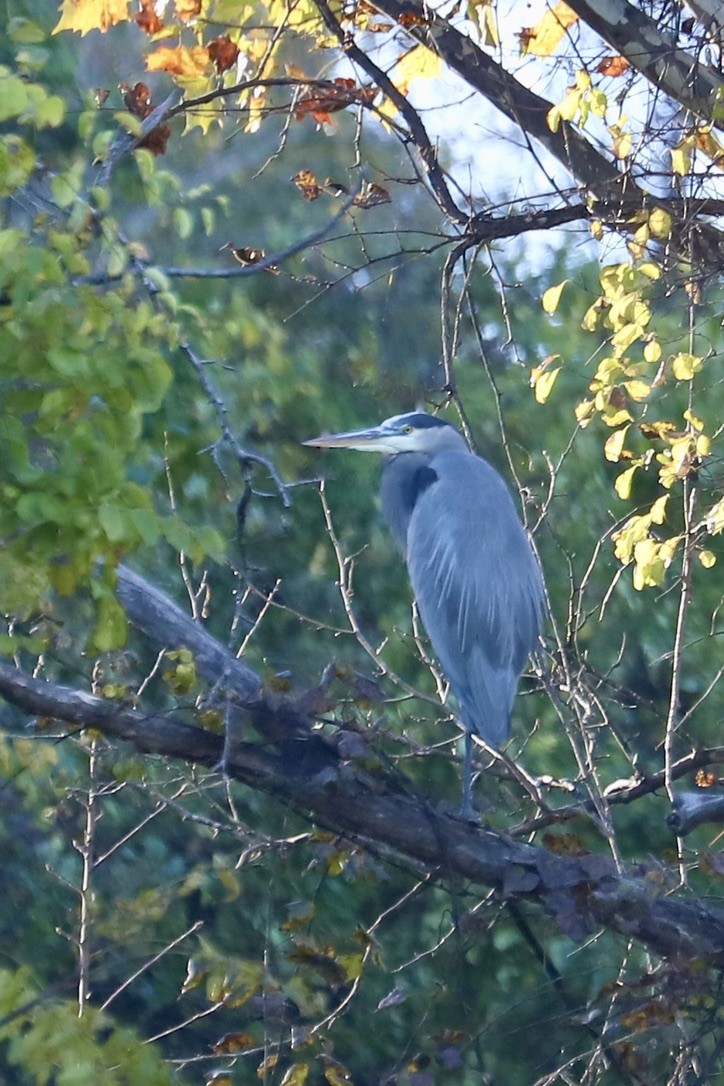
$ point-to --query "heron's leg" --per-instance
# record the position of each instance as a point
(467, 810)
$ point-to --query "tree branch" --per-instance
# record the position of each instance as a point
(691, 809)
(592, 170)
(655, 54)
(583, 893)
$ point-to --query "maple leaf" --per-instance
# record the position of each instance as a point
(613, 66)
(306, 182)
(86, 15)
(147, 18)
(223, 52)
(543, 39)
(180, 60)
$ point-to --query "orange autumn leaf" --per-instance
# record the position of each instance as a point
(86, 15)
(182, 61)
(613, 66)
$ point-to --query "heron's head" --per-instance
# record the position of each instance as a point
(415, 432)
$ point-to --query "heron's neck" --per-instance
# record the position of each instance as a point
(405, 477)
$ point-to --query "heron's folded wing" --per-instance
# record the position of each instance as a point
(477, 585)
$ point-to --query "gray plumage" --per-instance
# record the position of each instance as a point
(475, 578)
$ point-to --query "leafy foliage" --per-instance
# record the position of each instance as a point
(176, 315)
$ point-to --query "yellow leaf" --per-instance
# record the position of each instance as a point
(552, 297)
(637, 390)
(707, 559)
(596, 228)
(710, 145)
(626, 335)
(543, 39)
(190, 63)
(418, 63)
(695, 421)
(681, 157)
(584, 412)
(296, 1075)
(657, 512)
(543, 383)
(591, 318)
(652, 351)
(649, 269)
(685, 366)
(614, 445)
(624, 482)
(487, 21)
(660, 223)
(715, 518)
(86, 15)
(703, 445)
(621, 142)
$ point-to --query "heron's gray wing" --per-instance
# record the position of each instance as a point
(477, 585)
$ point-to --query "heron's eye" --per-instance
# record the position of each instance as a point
(407, 429)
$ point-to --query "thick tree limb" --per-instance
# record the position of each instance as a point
(592, 170)
(655, 54)
(583, 893)
(692, 809)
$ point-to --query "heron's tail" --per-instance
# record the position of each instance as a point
(485, 704)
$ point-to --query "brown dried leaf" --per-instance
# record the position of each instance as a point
(306, 182)
(321, 102)
(147, 18)
(156, 141)
(137, 99)
(101, 96)
(233, 1042)
(224, 53)
(246, 257)
(705, 778)
(613, 66)
(410, 19)
(371, 195)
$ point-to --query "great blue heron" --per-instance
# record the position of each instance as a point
(476, 580)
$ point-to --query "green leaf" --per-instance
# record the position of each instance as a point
(111, 626)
